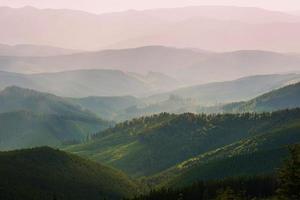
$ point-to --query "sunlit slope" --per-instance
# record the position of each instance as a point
(148, 145)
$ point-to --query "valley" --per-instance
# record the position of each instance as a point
(162, 101)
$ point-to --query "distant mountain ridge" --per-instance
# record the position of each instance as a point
(139, 60)
(83, 83)
(156, 26)
(26, 50)
(229, 91)
(206, 98)
(189, 66)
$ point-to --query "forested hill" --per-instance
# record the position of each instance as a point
(45, 173)
(148, 145)
(15, 98)
(30, 118)
(283, 98)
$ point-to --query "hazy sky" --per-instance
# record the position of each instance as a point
(99, 6)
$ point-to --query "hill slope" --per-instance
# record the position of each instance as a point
(283, 98)
(267, 150)
(148, 145)
(47, 174)
(108, 107)
(15, 98)
(30, 118)
(229, 91)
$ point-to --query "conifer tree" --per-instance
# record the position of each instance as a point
(289, 176)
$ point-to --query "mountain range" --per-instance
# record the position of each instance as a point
(187, 66)
(206, 98)
(197, 102)
(229, 91)
(243, 28)
(83, 83)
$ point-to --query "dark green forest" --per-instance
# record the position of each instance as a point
(284, 184)
(48, 174)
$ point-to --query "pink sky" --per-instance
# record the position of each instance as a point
(99, 6)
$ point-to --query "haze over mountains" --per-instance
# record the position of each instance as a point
(173, 97)
(188, 66)
(27, 50)
(83, 83)
(201, 27)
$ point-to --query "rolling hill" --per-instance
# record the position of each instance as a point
(83, 83)
(138, 60)
(196, 99)
(230, 91)
(33, 50)
(30, 118)
(138, 146)
(283, 98)
(267, 150)
(46, 174)
(189, 66)
(108, 107)
(16, 98)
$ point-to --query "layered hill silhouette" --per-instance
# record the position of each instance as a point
(159, 27)
(229, 91)
(141, 60)
(45, 173)
(191, 66)
(33, 50)
(207, 98)
(286, 97)
(30, 118)
(83, 83)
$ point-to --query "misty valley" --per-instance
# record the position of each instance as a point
(187, 103)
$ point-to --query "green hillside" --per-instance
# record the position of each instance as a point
(266, 150)
(148, 145)
(47, 174)
(15, 98)
(29, 118)
(22, 129)
(283, 98)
